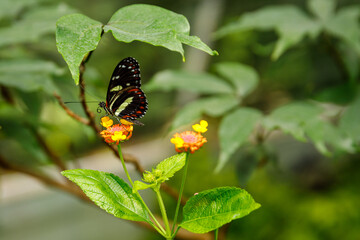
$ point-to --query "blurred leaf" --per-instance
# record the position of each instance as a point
(340, 94)
(33, 25)
(323, 133)
(235, 128)
(29, 82)
(211, 209)
(10, 8)
(290, 23)
(76, 36)
(244, 78)
(292, 118)
(345, 25)
(110, 193)
(323, 9)
(12, 127)
(153, 25)
(204, 83)
(171, 165)
(26, 66)
(349, 121)
(33, 103)
(213, 106)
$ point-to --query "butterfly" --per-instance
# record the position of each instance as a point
(124, 98)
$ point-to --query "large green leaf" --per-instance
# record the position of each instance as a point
(204, 83)
(214, 106)
(76, 36)
(211, 209)
(292, 118)
(244, 78)
(110, 193)
(235, 128)
(33, 25)
(291, 24)
(345, 25)
(154, 25)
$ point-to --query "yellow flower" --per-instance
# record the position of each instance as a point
(200, 128)
(190, 141)
(118, 136)
(106, 122)
(178, 142)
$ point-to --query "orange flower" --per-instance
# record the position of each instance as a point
(190, 140)
(117, 133)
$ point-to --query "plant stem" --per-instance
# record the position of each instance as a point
(216, 234)
(124, 166)
(159, 228)
(163, 213)
(181, 191)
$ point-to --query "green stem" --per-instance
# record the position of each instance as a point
(152, 216)
(159, 228)
(163, 213)
(181, 191)
(216, 233)
(124, 166)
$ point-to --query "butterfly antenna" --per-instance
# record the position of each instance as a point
(92, 95)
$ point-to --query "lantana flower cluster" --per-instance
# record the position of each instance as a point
(115, 133)
(190, 141)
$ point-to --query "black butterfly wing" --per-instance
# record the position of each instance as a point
(124, 97)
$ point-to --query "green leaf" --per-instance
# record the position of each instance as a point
(235, 128)
(323, 9)
(203, 83)
(323, 134)
(138, 185)
(213, 106)
(33, 26)
(289, 22)
(153, 25)
(166, 169)
(110, 193)
(292, 118)
(349, 121)
(211, 209)
(244, 78)
(345, 25)
(76, 36)
(171, 165)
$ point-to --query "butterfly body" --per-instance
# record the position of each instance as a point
(124, 98)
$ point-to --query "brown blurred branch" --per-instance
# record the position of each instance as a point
(7, 95)
(70, 188)
(53, 157)
(71, 113)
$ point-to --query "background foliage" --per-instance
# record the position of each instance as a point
(282, 100)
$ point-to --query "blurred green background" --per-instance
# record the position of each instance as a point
(304, 193)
